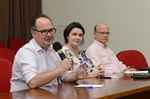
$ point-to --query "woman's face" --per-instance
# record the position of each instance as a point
(75, 37)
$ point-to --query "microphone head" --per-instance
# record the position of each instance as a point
(57, 46)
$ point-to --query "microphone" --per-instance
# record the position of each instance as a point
(57, 47)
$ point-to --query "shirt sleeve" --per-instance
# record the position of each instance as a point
(28, 65)
(64, 75)
(121, 65)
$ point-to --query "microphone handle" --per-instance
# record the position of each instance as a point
(62, 55)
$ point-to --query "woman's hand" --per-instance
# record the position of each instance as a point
(99, 71)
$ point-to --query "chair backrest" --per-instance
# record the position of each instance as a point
(132, 58)
(5, 74)
(15, 44)
(2, 45)
(7, 54)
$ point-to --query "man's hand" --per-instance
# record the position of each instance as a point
(81, 72)
(130, 68)
(65, 65)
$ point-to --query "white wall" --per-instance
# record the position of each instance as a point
(128, 21)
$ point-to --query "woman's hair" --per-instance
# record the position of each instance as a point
(70, 27)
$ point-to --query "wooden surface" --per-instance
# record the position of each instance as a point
(120, 87)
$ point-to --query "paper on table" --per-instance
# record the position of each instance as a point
(88, 86)
(114, 76)
(132, 72)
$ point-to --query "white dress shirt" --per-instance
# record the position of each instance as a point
(30, 60)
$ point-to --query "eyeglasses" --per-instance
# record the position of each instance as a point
(45, 32)
(104, 33)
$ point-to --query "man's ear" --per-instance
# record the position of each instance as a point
(94, 34)
(32, 32)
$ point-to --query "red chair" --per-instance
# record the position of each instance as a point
(7, 54)
(5, 74)
(2, 45)
(15, 44)
(132, 58)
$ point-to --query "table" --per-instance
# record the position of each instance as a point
(122, 87)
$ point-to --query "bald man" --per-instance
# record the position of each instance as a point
(102, 55)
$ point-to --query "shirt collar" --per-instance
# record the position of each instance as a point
(39, 47)
(100, 44)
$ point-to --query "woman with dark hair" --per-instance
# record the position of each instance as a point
(74, 37)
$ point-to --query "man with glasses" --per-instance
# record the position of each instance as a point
(36, 64)
(102, 55)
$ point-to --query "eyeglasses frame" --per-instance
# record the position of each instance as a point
(46, 31)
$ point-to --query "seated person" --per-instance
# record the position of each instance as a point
(36, 64)
(102, 55)
(73, 35)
